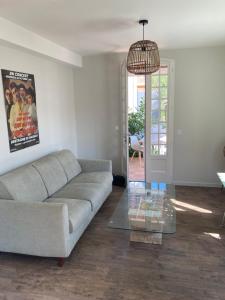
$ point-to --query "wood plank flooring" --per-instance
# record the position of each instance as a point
(105, 265)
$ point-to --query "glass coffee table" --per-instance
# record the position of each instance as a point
(146, 210)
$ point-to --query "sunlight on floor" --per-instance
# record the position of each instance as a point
(192, 207)
(214, 235)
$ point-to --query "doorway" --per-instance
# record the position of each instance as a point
(147, 124)
(136, 127)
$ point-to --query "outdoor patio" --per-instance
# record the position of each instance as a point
(136, 170)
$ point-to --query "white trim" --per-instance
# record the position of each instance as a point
(197, 183)
(124, 119)
(18, 36)
(171, 89)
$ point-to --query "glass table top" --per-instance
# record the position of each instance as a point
(146, 207)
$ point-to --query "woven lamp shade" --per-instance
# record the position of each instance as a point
(143, 58)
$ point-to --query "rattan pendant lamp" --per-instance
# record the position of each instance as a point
(143, 56)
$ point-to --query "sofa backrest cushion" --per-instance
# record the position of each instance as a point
(51, 172)
(23, 184)
(69, 163)
(4, 193)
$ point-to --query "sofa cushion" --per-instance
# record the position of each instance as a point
(23, 184)
(79, 211)
(69, 163)
(94, 177)
(51, 172)
(92, 192)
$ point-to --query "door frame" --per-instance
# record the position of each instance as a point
(124, 119)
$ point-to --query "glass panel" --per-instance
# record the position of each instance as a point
(162, 149)
(163, 116)
(155, 104)
(155, 128)
(163, 70)
(155, 139)
(163, 104)
(163, 80)
(163, 92)
(162, 139)
(155, 81)
(155, 116)
(155, 150)
(155, 93)
(162, 127)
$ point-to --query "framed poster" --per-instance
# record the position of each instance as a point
(20, 108)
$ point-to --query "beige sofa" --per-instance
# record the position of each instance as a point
(45, 206)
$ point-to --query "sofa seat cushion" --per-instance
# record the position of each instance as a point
(79, 211)
(103, 178)
(51, 172)
(23, 184)
(92, 192)
(69, 163)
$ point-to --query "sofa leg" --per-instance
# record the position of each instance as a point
(60, 261)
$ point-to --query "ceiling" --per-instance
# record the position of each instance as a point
(98, 26)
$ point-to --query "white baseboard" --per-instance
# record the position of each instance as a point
(196, 183)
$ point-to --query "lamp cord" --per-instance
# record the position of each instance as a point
(143, 32)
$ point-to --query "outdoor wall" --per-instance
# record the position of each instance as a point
(55, 106)
(199, 126)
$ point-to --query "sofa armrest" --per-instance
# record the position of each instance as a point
(88, 165)
(35, 228)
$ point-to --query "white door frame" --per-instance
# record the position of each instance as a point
(170, 130)
(124, 119)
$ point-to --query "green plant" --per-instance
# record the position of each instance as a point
(136, 123)
(136, 120)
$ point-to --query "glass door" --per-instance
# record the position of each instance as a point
(159, 124)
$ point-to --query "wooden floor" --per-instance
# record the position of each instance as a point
(188, 265)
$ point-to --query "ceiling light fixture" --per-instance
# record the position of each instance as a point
(143, 56)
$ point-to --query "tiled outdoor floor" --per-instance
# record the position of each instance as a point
(136, 170)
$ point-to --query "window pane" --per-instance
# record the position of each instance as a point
(155, 150)
(155, 93)
(163, 80)
(162, 149)
(163, 92)
(155, 139)
(155, 104)
(155, 116)
(155, 81)
(162, 116)
(163, 104)
(162, 127)
(155, 128)
(162, 139)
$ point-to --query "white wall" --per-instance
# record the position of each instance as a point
(98, 108)
(55, 106)
(199, 112)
